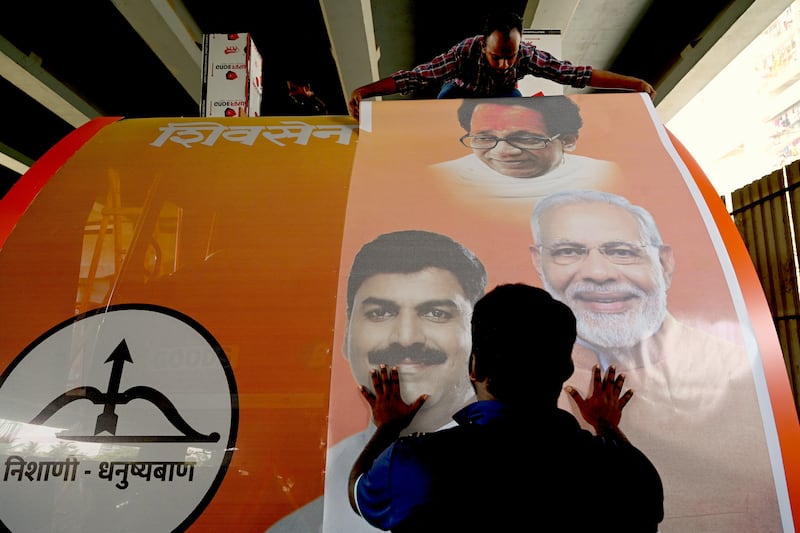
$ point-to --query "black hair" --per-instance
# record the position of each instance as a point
(561, 115)
(410, 251)
(502, 21)
(522, 340)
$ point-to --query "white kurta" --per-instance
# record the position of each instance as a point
(472, 177)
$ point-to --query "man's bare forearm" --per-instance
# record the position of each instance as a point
(381, 87)
(605, 79)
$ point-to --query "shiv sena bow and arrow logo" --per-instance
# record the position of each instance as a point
(132, 408)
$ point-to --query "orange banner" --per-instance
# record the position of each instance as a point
(169, 295)
(662, 299)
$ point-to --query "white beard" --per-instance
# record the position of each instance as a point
(613, 331)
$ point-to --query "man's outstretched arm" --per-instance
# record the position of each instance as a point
(641, 481)
(390, 414)
(605, 79)
(602, 409)
(382, 87)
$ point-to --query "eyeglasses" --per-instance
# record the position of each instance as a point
(619, 253)
(523, 142)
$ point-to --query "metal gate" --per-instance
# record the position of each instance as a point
(767, 214)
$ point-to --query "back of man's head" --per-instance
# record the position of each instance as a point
(411, 251)
(522, 342)
(503, 21)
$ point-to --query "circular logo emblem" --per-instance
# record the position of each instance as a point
(122, 418)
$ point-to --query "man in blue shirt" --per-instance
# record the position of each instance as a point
(515, 459)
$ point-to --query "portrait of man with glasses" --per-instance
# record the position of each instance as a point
(697, 417)
(521, 148)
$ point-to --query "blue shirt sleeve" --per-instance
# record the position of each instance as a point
(395, 484)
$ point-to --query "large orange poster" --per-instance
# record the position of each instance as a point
(588, 197)
(168, 291)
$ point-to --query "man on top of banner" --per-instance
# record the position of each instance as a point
(490, 65)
